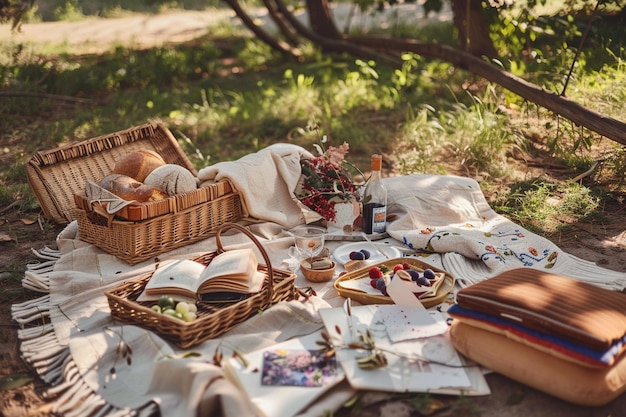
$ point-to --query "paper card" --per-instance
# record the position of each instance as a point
(298, 367)
(401, 293)
(415, 365)
(407, 323)
(274, 400)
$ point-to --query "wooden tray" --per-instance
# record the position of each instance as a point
(365, 298)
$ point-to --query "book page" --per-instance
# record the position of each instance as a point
(179, 274)
(232, 270)
(234, 262)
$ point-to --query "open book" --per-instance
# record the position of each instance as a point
(230, 275)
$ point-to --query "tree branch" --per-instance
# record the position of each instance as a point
(601, 124)
(275, 44)
(336, 44)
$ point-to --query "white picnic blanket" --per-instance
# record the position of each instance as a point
(80, 352)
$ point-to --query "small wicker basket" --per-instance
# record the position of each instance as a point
(213, 319)
(443, 289)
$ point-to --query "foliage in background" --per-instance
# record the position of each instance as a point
(227, 95)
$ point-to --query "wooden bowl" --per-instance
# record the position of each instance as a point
(317, 275)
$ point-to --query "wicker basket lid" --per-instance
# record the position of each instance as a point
(56, 175)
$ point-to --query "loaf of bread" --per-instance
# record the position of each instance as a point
(138, 164)
(129, 189)
(173, 179)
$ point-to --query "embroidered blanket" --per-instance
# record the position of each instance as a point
(450, 217)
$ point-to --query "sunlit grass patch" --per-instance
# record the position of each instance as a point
(547, 206)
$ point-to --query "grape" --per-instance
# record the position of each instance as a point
(193, 308)
(422, 280)
(166, 301)
(366, 253)
(156, 308)
(173, 313)
(357, 256)
(182, 308)
(414, 274)
(429, 274)
(189, 316)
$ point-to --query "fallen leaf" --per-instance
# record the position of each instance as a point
(28, 221)
(10, 382)
(429, 406)
(4, 237)
(516, 397)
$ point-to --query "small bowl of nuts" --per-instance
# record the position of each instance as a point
(318, 269)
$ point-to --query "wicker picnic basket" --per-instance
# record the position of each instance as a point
(143, 230)
(213, 319)
(444, 286)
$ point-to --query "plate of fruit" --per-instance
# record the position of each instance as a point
(367, 285)
(365, 251)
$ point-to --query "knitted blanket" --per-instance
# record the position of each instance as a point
(69, 338)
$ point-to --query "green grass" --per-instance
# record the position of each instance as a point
(548, 206)
(226, 95)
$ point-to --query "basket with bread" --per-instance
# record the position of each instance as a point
(133, 193)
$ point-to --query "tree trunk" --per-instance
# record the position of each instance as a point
(281, 23)
(333, 45)
(321, 20)
(275, 44)
(472, 27)
(389, 50)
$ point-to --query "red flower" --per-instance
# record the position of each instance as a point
(325, 182)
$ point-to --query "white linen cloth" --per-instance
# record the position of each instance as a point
(77, 345)
(266, 181)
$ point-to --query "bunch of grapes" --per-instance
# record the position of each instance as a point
(181, 310)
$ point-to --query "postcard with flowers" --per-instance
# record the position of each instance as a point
(301, 367)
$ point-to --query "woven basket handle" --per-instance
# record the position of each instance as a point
(268, 263)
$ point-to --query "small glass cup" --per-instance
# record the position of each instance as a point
(308, 240)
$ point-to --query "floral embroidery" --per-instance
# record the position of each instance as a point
(530, 258)
(502, 253)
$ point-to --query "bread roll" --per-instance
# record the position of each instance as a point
(138, 164)
(173, 179)
(129, 189)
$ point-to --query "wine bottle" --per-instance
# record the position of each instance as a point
(375, 200)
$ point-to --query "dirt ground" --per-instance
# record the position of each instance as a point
(604, 244)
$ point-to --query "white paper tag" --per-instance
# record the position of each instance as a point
(402, 294)
(409, 323)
